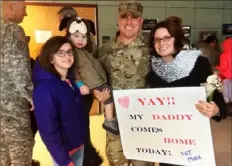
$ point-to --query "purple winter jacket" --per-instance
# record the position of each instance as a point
(59, 114)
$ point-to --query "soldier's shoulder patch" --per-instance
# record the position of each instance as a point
(21, 39)
(21, 45)
(21, 35)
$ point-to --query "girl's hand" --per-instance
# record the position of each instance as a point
(84, 90)
(207, 109)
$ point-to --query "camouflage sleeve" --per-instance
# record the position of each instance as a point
(18, 61)
(102, 54)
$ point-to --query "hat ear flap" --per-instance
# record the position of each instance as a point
(90, 26)
(64, 23)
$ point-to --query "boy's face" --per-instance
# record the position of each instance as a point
(78, 39)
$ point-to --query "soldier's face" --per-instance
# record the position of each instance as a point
(63, 58)
(19, 11)
(129, 25)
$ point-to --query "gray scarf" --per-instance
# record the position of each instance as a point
(179, 68)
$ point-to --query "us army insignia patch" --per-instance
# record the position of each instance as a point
(21, 39)
(21, 45)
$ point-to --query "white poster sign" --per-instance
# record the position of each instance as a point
(42, 36)
(162, 125)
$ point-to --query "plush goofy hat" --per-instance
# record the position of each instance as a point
(79, 24)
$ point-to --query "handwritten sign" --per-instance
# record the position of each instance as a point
(162, 125)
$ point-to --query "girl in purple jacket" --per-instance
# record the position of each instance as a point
(57, 101)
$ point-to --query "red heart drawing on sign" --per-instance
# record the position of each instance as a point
(124, 101)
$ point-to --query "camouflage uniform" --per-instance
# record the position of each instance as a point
(127, 66)
(16, 92)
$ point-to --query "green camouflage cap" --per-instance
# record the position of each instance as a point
(132, 7)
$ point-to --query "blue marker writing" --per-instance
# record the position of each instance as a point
(195, 158)
(186, 153)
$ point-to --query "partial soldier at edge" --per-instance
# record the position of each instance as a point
(16, 88)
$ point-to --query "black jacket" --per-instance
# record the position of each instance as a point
(198, 75)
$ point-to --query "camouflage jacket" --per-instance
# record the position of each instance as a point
(126, 65)
(16, 85)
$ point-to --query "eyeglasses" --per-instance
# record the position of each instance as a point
(62, 53)
(164, 39)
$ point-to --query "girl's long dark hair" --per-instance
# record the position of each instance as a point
(47, 52)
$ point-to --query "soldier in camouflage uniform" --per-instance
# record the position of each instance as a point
(126, 60)
(16, 88)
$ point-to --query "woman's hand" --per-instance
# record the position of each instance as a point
(84, 90)
(207, 109)
(103, 95)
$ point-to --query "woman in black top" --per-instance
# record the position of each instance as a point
(173, 67)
